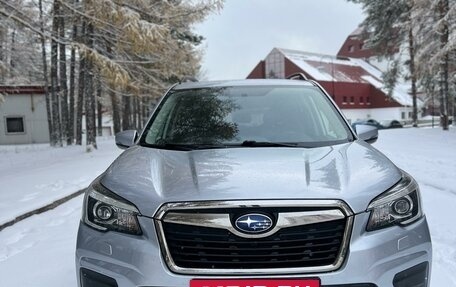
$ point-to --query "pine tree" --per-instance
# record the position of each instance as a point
(137, 51)
(435, 34)
(389, 26)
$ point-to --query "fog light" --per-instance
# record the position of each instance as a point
(103, 212)
(402, 206)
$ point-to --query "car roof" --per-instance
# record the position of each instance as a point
(238, 83)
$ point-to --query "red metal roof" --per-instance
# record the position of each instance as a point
(328, 68)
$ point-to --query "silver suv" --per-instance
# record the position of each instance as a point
(252, 183)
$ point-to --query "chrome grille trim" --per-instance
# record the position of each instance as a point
(288, 219)
(341, 210)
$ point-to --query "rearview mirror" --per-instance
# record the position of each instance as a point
(126, 138)
(367, 133)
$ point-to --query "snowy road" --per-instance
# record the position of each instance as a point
(39, 251)
(33, 176)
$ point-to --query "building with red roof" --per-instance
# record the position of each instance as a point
(355, 85)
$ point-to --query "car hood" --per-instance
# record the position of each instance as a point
(354, 172)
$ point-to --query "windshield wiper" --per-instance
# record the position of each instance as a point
(172, 146)
(252, 143)
(187, 147)
(246, 143)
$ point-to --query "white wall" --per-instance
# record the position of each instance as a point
(33, 109)
(379, 114)
(356, 114)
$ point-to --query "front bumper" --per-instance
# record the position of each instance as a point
(374, 258)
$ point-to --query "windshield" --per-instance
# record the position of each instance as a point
(230, 116)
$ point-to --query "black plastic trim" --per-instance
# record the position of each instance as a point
(416, 276)
(91, 278)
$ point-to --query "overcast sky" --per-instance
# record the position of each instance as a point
(245, 31)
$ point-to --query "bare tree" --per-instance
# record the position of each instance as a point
(57, 130)
(63, 90)
(53, 140)
(89, 94)
(99, 108)
(81, 88)
(443, 8)
(126, 114)
(72, 107)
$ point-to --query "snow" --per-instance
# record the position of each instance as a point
(317, 74)
(429, 155)
(373, 81)
(32, 176)
(43, 245)
(39, 251)
(400, 93)
(368, 68)
(316, 57)
(303, 59)
(401, 90)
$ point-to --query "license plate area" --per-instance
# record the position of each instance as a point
(312, 282)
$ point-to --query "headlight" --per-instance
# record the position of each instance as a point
(104, 210)
(401, 205)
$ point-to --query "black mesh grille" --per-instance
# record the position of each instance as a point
(211, 248)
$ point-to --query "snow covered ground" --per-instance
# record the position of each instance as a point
(32, 176)
(429, 155)
(39, 251)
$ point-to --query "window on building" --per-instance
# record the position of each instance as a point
(403, 115)
(352, 100)
(351, 48)
(275, 65)
(410, 114)
(15, 125)
(344, 100)
(361, 46)
(361, 100)
(368, 101)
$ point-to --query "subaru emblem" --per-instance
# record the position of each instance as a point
(253, 223)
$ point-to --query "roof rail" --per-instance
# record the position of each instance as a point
(188, 79)
(297, 76)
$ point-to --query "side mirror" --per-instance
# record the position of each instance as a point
(126, 139)
(367, 133)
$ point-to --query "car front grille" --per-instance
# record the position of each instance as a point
(213, 248)
(307, 236)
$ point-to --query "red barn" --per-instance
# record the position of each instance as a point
(355, 85)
